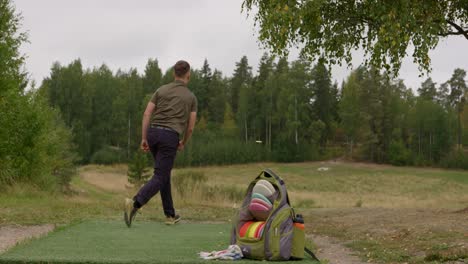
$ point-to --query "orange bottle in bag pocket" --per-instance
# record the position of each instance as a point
(299, 225)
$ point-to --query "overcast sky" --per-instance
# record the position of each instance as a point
(125, 34)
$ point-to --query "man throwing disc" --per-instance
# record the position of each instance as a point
(169, 116)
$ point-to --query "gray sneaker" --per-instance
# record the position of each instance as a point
(129, 212)
(173, 220)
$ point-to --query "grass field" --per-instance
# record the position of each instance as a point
(385, 214)
(113, 242)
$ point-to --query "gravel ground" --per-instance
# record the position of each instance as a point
(13, 234)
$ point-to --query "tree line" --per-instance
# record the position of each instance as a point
(282, 111)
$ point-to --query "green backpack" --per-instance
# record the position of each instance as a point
(282, 236)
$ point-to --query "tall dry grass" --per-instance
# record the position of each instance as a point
(194, 187)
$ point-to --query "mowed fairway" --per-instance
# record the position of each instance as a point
(385, 214)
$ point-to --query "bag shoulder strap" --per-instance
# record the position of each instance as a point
(308, 251)
(270, 173)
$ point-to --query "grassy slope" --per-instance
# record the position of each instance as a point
(406, 215)
(113, 242)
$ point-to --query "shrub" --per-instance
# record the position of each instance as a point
(35, 145)
(108, 155)
(329, 152)
(456, 159)
(358, 203)
(287, 152)
(192, 185)
(138, 171)
(398, 154)
(188, 181)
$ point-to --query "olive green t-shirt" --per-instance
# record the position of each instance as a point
(174, 103)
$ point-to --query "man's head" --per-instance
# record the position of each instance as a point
(182, 71)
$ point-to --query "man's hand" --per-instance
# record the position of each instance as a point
(144, 145)
(181, 146)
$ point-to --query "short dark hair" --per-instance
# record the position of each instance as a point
(181, 68)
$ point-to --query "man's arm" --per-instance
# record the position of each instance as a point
(188, 130)
(145, 125)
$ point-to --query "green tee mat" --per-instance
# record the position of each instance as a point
(113, 242)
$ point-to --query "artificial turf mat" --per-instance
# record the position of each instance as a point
(113, 242)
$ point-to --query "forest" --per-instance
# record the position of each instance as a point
(283, 111)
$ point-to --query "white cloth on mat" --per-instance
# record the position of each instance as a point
(233, 252)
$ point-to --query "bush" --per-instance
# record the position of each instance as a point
(138, 171)
(287, 152)
(398, 154)
(330, 152)
(456, 159)
(419, 160)
(108, 155)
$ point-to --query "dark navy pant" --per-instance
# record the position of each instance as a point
(163, 145)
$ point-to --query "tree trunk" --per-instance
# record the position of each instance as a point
(295, 119)
(128, 141)
(271, 110)
(419, 142)
(254, 126)
(269, 136)
(459, 130)
(430, 146)
(245, 128)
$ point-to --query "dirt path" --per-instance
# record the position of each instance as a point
(11, 235)
(333, 251)
(107, 181)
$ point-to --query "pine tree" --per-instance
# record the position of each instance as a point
(168, 76)
(153, 76)
(279, 104)
(262, 98)
(443, 93)
(323, 99)
(229, 127)
(217, 98)
(299, 111)
(138, 172)
(101, 84)
(350, 109)
(457, 98)
(428, 90)
(242, 76)
(244, 114)
(203, 91)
